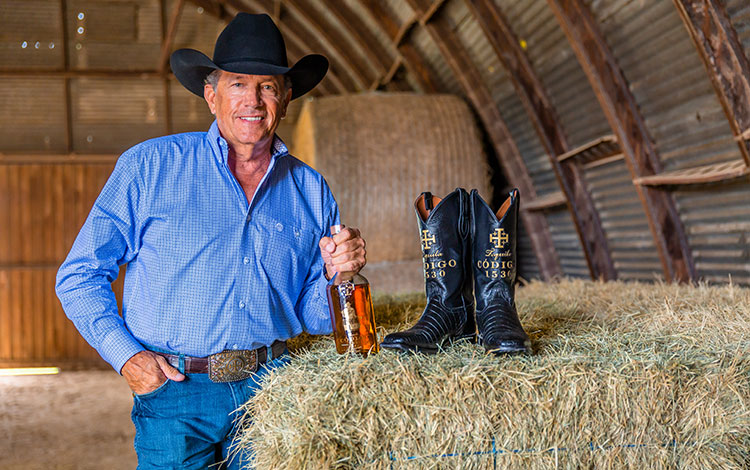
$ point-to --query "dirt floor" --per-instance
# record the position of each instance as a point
(74, 420)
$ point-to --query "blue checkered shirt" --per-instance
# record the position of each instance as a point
(207, 270)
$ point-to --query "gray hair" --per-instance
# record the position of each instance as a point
(213, 79)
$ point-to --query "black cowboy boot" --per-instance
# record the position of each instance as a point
(449, 315)
(494, 258)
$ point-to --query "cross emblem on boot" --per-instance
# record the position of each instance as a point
(427, 240)
(499, 238)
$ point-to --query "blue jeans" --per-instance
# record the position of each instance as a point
(192, 424)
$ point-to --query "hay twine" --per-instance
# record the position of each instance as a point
(624, 376)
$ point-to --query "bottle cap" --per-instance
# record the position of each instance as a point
(336, 229)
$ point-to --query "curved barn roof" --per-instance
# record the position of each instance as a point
(625, 123)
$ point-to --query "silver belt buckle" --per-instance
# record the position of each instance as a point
(231, 365)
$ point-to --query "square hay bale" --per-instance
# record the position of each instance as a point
(624, 376)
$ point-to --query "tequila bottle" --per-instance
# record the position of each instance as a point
(352, 315)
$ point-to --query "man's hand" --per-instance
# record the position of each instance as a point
(344, 253)
(146, 371)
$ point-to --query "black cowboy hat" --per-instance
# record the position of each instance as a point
(250, 44)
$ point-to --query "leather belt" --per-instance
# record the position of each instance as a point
(229, 365)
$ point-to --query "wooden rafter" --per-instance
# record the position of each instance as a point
(479, 95)
(622, 112)
(169, 35)
(169, 31)
(724, 57)
(373, 49)
(409, 56)
(539, 108)
(145, 74)
(322, 28)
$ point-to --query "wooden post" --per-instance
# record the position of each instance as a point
(66, 79)
(480, 97)
(724, 57)
(169, 31)
(551, 134)
(624, 117)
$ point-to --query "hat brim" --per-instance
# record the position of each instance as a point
(191, 68)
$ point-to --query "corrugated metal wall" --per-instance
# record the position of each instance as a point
(689, 128)
(739, 14)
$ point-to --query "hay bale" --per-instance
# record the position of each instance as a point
(625, 375)
(378, 152)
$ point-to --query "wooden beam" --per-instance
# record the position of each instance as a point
(412, 60)
(66, 84)
(339, 44)
(169, 34)
(698, 175)
(397, 63)
(169, 31)
(723, 55)
(624, 117)
(67, 74)
(430, 11)
(538, 106)
(515, 170)
(47, 159)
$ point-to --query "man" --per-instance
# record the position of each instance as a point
(224, 234)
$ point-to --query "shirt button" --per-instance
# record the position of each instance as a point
(242, 304)
(234, 346)
(246, 260)
(279, 227)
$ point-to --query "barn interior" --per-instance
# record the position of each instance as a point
(625, 125)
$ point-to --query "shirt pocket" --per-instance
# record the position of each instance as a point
(287, 251)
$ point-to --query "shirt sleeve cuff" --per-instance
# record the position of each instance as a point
(119, 346)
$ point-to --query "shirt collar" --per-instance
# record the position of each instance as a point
(221, 148)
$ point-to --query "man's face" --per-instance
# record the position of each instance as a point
(248, 108)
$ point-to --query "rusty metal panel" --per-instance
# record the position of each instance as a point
(32, 117)
(114, 35)
(31, 35)
(111, 115)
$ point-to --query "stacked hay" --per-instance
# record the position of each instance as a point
(625, 375)
(378, 152)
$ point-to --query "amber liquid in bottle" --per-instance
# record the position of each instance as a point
(352, 314)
